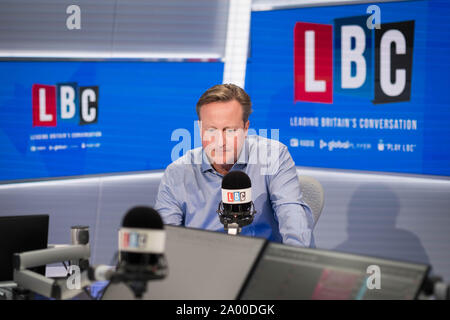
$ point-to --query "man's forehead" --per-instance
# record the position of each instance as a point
(222, 124)
(221, 114)
(224, 108)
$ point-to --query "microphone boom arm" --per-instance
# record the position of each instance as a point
(50, 288)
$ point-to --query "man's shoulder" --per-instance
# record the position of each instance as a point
(256, 141)
(269, 154)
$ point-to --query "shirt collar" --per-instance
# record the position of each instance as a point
(206, 165)
(241, 162)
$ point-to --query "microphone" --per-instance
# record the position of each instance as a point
(435, 286)
(236, 210)
(141, 252)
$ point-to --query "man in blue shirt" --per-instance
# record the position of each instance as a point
(190, 189)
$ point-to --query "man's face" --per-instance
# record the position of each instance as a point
(223, 131)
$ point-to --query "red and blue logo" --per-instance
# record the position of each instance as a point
(364, 58)
(64, 102)
(236, 196)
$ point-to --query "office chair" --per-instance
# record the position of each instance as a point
(313, 195)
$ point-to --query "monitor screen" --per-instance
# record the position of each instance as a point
(20, 234)
(285, 272)
(202, 265)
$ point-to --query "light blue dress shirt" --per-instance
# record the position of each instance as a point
(190, 192)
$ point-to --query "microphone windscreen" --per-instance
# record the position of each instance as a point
(137, 246)
(143, 218)
(236, 180)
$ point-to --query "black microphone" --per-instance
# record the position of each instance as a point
(141, 252)
(436, 287)
(236, 210)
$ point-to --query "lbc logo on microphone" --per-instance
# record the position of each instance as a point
(236, 196)
(65, 102)
(361, 55)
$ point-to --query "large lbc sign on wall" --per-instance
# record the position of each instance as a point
(346, 93)
(353, 52)
(70, 102)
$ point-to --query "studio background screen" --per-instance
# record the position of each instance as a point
(130, 112)
(341, 94)
(368, 98)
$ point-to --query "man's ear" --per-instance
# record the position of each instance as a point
(246, 126)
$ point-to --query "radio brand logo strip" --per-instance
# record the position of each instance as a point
(236, 196)
(353, 60)
(73, 103)
(133, 240)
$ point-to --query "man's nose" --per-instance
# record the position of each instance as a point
(221, 139)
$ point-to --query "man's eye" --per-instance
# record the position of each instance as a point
(211, 130)
(231, 131)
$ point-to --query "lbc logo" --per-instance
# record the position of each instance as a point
(354, 62)
(65, 101)
(236, 196)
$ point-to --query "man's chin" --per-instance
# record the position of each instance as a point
(223, 161)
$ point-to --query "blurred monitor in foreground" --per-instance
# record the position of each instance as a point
(202, 265)
(285, 272)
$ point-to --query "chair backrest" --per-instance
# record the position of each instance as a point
(313, 195)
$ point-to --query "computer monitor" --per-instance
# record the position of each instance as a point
(202, 265)
(19, 234)
(285, 272)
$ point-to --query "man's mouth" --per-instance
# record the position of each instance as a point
(221, 149)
